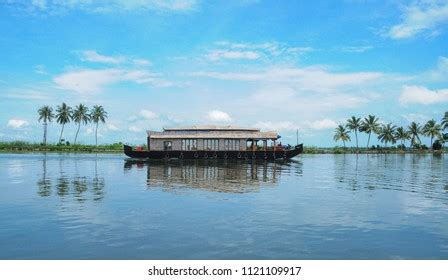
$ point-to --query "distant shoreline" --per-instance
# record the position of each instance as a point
(381, 150)
(24, 147)
(116, 148)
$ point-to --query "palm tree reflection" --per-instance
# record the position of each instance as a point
(62, 186)
(44, 184)
(97, 185)
(76, 185)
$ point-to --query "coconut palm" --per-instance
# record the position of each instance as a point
(432, 129)
(369, 125)
(387, 134)
(341, 134)
(445, 121)
(63, 116)
(414, 130)
(354, 124)
(98, 114)
(402, 135)
(46, 115)
(80, 115)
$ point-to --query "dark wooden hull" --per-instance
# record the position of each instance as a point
(255, 155)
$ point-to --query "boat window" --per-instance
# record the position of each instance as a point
(231, 144)
(167, 145)
(211, 144)
(189, 144)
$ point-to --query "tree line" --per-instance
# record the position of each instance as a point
(81, 114)
(389, 133)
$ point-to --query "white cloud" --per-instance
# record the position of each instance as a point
(422, 95)
(40, 69)
(218, 116)
(322, 124)
(300, 125)
(277, 125)
(93, 80)
(110, 6)
(355, 49)
(254, 51)
(17, 123)
(146, 114)
(89, 131)
(141, 62)
(216, 55)
(313, 78)
(39, 4)
(420, 17)
(27, 92)
(134, 128)
(418, 118)
(112, 127)
(439, 74)
(93, 56)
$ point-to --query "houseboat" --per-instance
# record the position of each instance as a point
(215, 142)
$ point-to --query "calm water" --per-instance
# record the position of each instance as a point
(316, 207)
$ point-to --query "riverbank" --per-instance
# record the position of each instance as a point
(18, 146)
(380, 150)
(14, 147)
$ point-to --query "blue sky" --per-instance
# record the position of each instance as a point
(282, 65)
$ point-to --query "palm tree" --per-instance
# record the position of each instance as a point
(369, 125)
(80, 115)
(354, 124)
(402, 135)
(45, 114)
(445, 121)
(63, 116)
(341, 134)
(387, 134)
(432, 129)
(414, 130)
(98, 115)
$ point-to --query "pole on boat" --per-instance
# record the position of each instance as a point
(297, 136)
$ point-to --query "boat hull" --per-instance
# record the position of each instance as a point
(255, 155)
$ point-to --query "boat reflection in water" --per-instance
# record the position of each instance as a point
(214, 175)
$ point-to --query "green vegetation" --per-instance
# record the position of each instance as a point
(80, 115)
(46, 115)
(20, 146)
(341, 134)
(370, 125)
(354, 124)
(98, 115)
(65, 114)
(389, 133)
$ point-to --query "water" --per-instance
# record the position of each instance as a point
(315, 207)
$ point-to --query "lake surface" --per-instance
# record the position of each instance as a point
(316, 207)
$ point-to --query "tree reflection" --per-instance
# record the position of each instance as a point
(76, 185)
(44, 184)
(62, 186)
(79, 187)
(97, 185)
